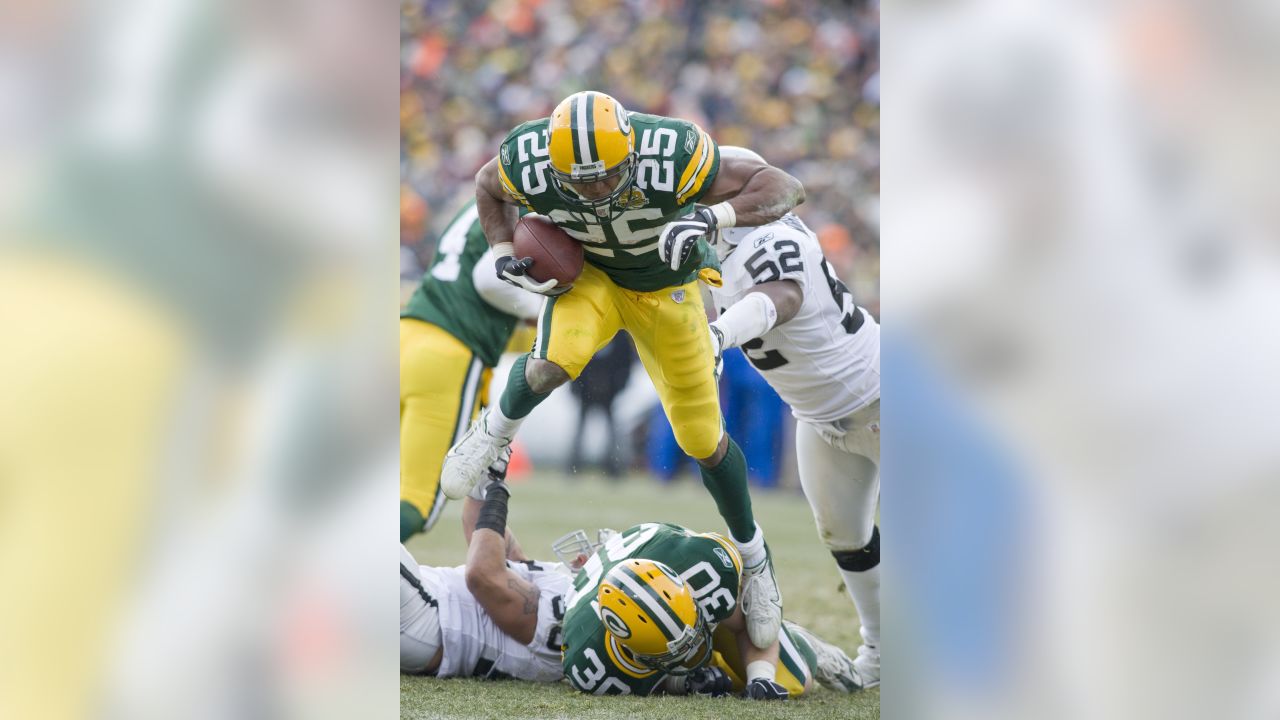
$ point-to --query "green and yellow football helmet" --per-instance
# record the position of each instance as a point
(648, 610)
(591, 143)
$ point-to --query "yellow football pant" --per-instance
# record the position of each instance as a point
(669, 328)
(443, 385)
(793, 668)
(92, 378)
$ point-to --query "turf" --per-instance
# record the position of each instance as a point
(546, 505)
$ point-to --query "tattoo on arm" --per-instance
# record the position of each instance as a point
(527, 592)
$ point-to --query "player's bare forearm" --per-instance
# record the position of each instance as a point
(497, 213)
(786, 296)
(510, 600)
(737, 625)
(486, 553)
(767, 196)
(750, 653)
(759, 192)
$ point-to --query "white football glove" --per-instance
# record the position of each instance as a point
(516, 272)
(680, 236)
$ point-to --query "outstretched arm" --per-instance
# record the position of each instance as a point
(510, 600)
(758, 192)
(470, 513)
(767, 306)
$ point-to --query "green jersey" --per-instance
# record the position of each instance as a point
(708, 563)
(677, 162)
(447, 296)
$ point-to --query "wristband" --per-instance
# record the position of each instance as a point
(762, 669)
(493, 516)
(726, 216)
(503, 249)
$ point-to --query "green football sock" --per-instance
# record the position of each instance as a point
(518, 400)
(727, 483)
(411, 521)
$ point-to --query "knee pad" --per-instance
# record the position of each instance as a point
(862, 559)
(700, 442)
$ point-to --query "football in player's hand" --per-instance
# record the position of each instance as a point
(554, 253)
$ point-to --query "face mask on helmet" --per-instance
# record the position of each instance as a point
(684, 654)
(574, 548)
(596, 195)
(727, 240)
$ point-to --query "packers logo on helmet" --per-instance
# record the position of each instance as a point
(592, 152)
(648, 610)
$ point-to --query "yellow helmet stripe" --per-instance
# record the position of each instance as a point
(696, 173)
(666, 620)
(608, 140)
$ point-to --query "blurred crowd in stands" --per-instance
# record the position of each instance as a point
(795, 80)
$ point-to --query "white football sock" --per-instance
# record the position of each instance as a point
(752, 550)
(864, 588)
(501, 426)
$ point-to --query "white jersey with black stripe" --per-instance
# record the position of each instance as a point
(825, 361)
(475, 647)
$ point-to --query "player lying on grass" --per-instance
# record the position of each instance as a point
(656, 608)
(497, 616)
(797, 323)
(500, 614)
(644, 195)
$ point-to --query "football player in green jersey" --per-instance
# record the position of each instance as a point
(656, 609)
(643, 194)
(452, 333)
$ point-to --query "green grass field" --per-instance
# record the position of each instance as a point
(546, 505)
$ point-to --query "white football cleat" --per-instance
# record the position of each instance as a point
(762, 604)
(467, 461)
(868, 665)
(835, 670)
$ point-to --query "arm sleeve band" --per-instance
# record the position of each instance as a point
(726, 216)
(749, 318)
(503, 295)
(493, 516)
(762, 669)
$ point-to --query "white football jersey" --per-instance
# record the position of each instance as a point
(475, 647)
(825, 361)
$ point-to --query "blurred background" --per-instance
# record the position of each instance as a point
(198, 366)
(797, 82)
(1082, 257)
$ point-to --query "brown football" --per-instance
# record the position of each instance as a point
(554, 253)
